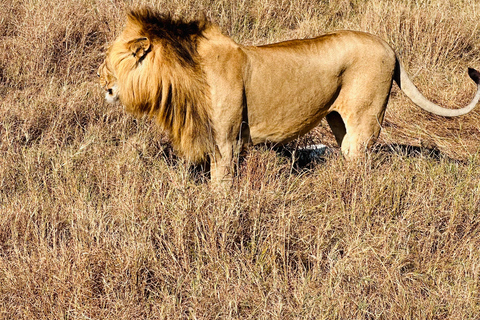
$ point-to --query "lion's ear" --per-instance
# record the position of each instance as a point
(139, 47)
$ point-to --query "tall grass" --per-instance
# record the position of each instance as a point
(100, 220)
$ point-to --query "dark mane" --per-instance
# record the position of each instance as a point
(169, 83)
(176, 34)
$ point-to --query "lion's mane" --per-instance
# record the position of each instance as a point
(168, 83)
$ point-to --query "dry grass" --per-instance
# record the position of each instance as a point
(100, 221)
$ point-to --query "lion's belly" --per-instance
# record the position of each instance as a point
(281, 111)
(282, 126)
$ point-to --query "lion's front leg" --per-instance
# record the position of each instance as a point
(221, 169)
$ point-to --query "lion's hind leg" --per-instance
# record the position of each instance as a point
(358, 139)
(357, 128)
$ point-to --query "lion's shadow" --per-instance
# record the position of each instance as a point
(308, 158)
(411, 151)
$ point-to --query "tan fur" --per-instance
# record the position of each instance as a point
(213, 95)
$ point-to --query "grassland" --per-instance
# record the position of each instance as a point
(100, 220)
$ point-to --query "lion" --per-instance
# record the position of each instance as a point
(213, 96)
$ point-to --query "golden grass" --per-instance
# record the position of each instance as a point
(99, 220)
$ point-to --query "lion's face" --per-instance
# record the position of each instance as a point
(108, 81)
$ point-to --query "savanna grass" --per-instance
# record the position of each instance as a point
(100, 220)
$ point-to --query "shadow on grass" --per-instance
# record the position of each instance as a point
(412, 151)
(307, 158)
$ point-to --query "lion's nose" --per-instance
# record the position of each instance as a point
(110, 91)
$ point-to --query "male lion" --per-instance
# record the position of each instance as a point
(213, 95)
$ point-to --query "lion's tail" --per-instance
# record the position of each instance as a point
(407, 86)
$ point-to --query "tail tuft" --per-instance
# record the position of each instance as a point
(474, 74)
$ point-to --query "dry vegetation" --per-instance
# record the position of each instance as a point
(100, 221)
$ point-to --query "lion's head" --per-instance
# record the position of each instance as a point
(152, 68)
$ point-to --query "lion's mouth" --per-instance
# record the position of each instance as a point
(111, 96)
